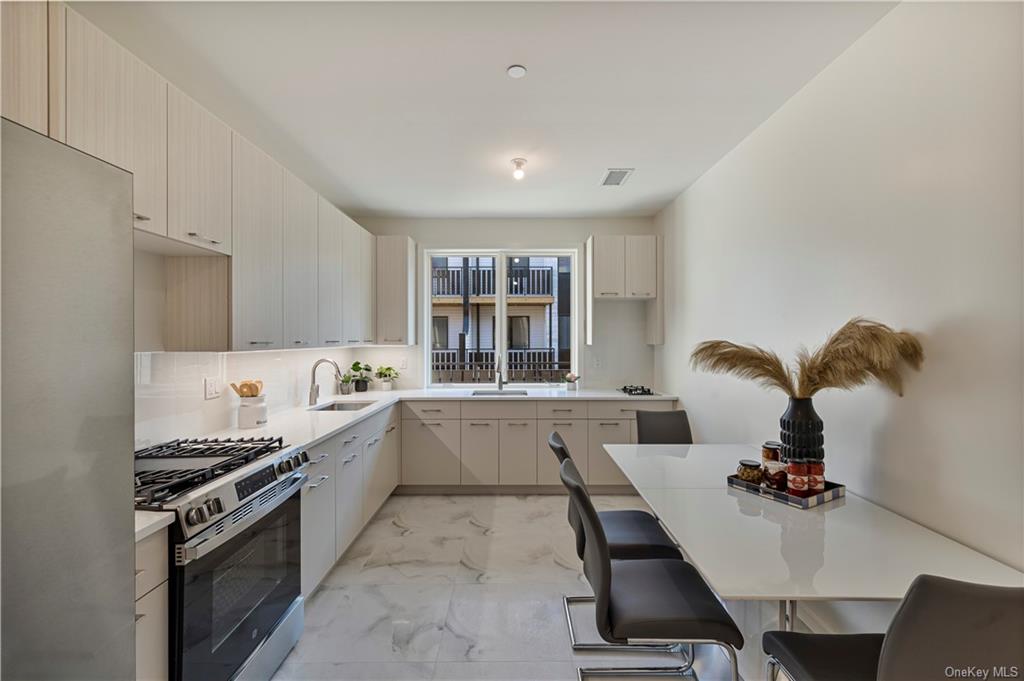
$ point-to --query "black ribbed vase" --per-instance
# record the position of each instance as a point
(803, 431)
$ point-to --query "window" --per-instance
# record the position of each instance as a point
(533, 308)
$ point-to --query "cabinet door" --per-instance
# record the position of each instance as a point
(396, 290)
(318, 517)
(609, 267)
(24, 63)
(256, 261)
(198, 174)
(98, 93)
(642, 266)
(518, 452)
(431, 452)
(149, 148)
(601, 469)
(479, 452)
(300, 266)
(349, 491)
(369, 303)
(378, 472)
(352, 281)
(151, 635)
(329, 274)
(574, 432)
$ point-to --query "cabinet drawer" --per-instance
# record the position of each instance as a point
(574, 433)
(151, 635)
(431, 452)
(150, 563)
(625, 409)
(479, 452)
(561, 409)
(499, 409)
(446, 409)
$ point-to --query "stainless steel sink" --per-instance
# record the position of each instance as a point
(342, 406)
(500, 393)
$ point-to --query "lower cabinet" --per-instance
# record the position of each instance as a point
(431, 452)
(348, 469)
(480, 452)
(380, 468)
(574, 433)
(518, 452)
(151, 635)
(601, 470)
(318, 517)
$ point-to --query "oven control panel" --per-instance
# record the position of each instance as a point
(249, 485)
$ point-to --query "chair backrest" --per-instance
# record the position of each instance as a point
(597, 562)
(663, 428)
(945, 623)
(561, 451)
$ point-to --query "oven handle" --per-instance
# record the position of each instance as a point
(205, 542)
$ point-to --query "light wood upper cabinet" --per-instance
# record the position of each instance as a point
(369, 272)
(99, 93)
(352, 280)
(396, 290)
(609, 267)
(149, 148)
(23, 75)
(256, 262)
(300, 263)
(330, 228)
(198, 174)
(641, 258)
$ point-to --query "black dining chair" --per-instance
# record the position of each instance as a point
(663, 428)
(631, 535)
(649, 601)
(942, 624)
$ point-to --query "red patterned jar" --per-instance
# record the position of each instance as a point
(796, 478)
(816, 477)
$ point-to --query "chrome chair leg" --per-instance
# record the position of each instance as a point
(686, 669)
(568, 601)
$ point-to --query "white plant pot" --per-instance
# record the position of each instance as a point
(386, 384)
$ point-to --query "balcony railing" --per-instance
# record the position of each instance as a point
(533, 281)
(534, 365)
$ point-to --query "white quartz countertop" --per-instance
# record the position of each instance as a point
(305, 427)
(148, 522)
(751, 548)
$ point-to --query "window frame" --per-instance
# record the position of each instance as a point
(501, 256)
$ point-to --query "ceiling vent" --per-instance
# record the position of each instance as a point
(616, 177)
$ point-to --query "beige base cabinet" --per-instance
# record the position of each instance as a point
(518, 452)
(601, 469)
(431, 451)
(479, 452)
(376, 475)
(151, 608)
(349, 489)
(318, 517)
(574, 432)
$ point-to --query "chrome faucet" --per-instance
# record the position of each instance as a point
(497, 372)
(314, 387)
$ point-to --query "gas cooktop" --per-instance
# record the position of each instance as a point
(636, 390)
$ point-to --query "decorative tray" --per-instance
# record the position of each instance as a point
(833, 491)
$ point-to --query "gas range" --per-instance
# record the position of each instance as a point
(636, 390)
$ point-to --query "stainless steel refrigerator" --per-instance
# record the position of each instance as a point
(67, 555)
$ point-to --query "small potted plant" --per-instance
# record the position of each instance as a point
(387, 376)
(346, 383)
(361, 376)
(571, 381)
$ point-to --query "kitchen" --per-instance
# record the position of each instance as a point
(341, 425)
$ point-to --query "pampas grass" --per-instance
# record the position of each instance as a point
(861, 352)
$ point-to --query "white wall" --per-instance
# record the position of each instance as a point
(891, 187)
(619, 354)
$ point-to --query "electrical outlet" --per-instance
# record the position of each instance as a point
(403, 364)
(211, 388)
(595, 362)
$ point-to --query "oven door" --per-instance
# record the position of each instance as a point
(233, 584)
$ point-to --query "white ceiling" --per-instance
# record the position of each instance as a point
(405, 109)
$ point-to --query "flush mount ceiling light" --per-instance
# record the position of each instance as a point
(516, 71)
(519, 173)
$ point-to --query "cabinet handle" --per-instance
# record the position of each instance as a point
(320, 459)
(390, 428)
(432, 411)
(348, 459)
(350, 440)
(608, 423)
(392, 340)
(332, 341)
(301, 342)
(367, 340)
(141, 218)
(433, 423)
(609, 293)
(261, 342)
(321, 480)
(627, 411)
(479, 424)
(373, 442)
(565, 423)
(517, 423)
(563, 410)
(197, 235)
(351, 341)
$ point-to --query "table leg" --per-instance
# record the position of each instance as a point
(783, 607)
(791, 617)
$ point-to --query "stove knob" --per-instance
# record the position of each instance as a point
(305, 456)
(214, 506)
(285, 466)
(296, 461)
(197, 516)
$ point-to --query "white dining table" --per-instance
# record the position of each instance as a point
(750, 548)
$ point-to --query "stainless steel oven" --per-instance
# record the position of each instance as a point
(235, 586)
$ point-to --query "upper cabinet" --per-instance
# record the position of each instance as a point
(198, 174)
(369, 277)
(149, 148)
(396, 290)
(352, 280)
(330, 264)
(24, 59)
(625, 266)
(641, 259)
(300, 263)
(256, 260)
(609, 267)
(99, 97)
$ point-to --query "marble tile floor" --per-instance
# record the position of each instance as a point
(455, 588)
